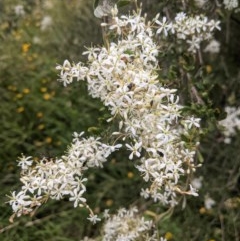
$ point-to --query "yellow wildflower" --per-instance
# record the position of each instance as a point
(58, 143)
(17, 35)
(208, 69)
(39, 115)
(25, 47)
(20, 109)
(48, 139)
(38, 143)
(202, 210)
(4, 25)
(44, 81)
(19, 96)
(29, 58)
(47, 96)
(43, 89)
(130, 175)
(12, 88)
(41, 127)
(26, 90)
(113, 161)
(34, 56)
(109, 202)
(168, 236)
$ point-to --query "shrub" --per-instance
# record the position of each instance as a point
(136, 74)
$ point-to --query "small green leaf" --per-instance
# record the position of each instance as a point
(200, 157)
(122, 3)
(93, 130)
(95, 4)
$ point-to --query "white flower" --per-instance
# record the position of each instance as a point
(104, 8)
(37, 40)
(19, 10)
(46, 23)
(231, 123)
(20, 202)
(214, 25)
(213, 47)
(106, 213)
(144, 193)
(180, 17)
(136, 149)
(25, 162)
(193, 191)
(192, 121)
(76, 196)
(48, 4)
(194, 44)
(94, 218)
(197, 182)
(163, 26)
(208, 202)
(230, 4)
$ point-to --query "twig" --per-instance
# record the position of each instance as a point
(194, 91)
(9, 227)
(196, 95)
(27, 224)
(222, 226)
(228, 29)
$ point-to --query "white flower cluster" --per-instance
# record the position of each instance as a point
(231, 123)
(213, 47)
(197, 182)
(193, 30)
(128, 225)
(124, 76)
(209, 202)
(46, 23)
(230, 4)
(19, 10)
(56, 178)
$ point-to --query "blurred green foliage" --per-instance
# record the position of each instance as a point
(36, 111)
(38, 117)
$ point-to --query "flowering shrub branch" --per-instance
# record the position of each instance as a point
(162, 139)
(125, 77)
(60, 177)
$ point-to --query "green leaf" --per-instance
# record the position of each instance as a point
(94, 130)
(200, 157)
(95, 4)
(122, 3)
